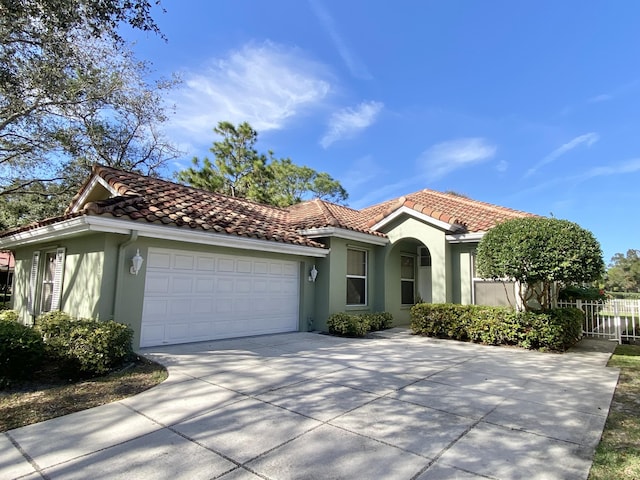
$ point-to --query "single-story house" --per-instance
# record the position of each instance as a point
(7, 266)
(181, 264)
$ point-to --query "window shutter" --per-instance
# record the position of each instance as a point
(33, 279)
(57, 279)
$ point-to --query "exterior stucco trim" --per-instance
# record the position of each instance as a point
(448, 227)
(465, 237)
(84, 224)
(344, 233)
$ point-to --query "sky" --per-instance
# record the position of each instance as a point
(532, 105)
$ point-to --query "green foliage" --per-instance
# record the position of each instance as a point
(8, 315)
(72, 94)
(625, 295)
(238, 170)
(623, 274)
(555, 330)
(358, 325)
(582, 292)
(85, 347)
(378, 321)
(540, 252)
(347, 325)
(21, 350)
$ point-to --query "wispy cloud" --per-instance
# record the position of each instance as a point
(619, 91)
(355, 66)
(362, 170)
(502, 166)
(630, 166)
(621, 168)
(263, 84)
(603, 97)
(349, 121)
(587, 139)
(443, 158)
(386, 192)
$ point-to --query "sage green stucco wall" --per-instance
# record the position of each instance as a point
(84, 293)
(97, 282)
(331, 285)
(461, 272)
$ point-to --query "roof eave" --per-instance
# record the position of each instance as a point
(404, 210)
(344, 233)
(474, 237)
(86, 223)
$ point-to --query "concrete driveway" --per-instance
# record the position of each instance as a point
(311, 406)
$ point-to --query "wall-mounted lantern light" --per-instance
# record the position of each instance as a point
(136, 263)
(313, 273)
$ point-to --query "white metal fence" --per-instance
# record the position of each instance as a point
(615, 319)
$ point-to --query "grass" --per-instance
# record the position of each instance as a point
(48, 394)
(618, 454)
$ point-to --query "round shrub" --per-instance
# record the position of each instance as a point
(347, 325)
(21, 351)
(85, 347)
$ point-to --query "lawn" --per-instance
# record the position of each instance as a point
(48, 394)
(618, 455)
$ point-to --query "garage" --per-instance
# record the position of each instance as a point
(195, 296)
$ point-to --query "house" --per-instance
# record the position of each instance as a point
(181, 265)
(7, 266)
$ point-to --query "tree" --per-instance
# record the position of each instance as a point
(541, 254)
(623, 274)
(239, 170)
(71, 94)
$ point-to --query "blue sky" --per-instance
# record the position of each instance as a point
(533, 105)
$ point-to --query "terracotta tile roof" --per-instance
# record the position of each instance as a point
(469, 215)
(151, 200)
(318, 214)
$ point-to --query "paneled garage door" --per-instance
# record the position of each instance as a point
(191, 297)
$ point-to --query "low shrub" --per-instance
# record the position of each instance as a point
(556, 329)
(378, 321)
(358, 325)
(21, 350)
(347, 325)
(85, 347)
(10, 315)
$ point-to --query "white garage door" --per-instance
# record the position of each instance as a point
(191, 297)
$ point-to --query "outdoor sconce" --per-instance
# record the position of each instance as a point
(136, 263)
(313, 273)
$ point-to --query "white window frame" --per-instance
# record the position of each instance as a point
(412, 280)
(36, 280)
(365, 277)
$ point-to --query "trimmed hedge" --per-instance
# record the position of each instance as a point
(556, 329)
(358, 325)
(21, 350)
(82, 346)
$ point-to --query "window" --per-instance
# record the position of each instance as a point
(47, 270)
(356, 277)
(425, 257)
(407, 279)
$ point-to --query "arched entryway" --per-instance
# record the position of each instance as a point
(408, 277)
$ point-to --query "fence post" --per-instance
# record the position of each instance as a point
(616, 319)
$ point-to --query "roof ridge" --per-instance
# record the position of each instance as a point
(468, 200)
(198, 189)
